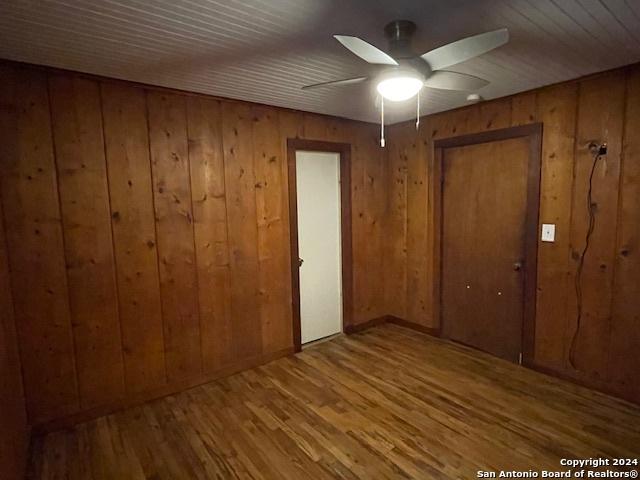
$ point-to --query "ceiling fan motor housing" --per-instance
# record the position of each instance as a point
(399, 34)
(401, 69)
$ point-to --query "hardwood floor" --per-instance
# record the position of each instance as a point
(384, 403)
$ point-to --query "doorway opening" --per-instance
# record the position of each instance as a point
(320, 235)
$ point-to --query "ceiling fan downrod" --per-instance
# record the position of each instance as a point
(399, 34)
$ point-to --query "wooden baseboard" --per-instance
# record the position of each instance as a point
(139, 398)
(391, 319)
(374, 322)
(602, 387)
(434, 332)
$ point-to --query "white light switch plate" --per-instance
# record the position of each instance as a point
(548, 232)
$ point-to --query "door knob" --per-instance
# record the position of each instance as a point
(517, 266)
(300, 262)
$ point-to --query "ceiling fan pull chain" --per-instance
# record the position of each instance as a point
(418, 112)
(382, 142)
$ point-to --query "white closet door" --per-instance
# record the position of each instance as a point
(319, 240)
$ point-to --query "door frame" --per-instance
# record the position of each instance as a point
(534, 134)
(344, 150)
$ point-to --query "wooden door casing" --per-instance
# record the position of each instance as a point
(344, 150)
(518, 139)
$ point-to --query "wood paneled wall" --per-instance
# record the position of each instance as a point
(147, 234)
(602, 108)
(14, 432)
(147, 231)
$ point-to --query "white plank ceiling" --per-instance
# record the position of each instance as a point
(265, 50)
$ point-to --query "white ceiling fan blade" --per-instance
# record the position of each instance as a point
(465, 49)
(346, 81)
(365, 50)
(454, 81)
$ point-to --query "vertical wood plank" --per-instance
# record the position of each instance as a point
(557, 109)
(399, 144)
(210, 228)
(419, 309)
(368, 211)
(174, 227)
(600, 117)
(624, 361)
(35, 245)
(316, 127)
(291, 125)
(493, 115)
(84, 200)
(374, 197)
(434, 227)
(447, 124)
(461, 121)
(13, 416)
(524, 109)
(242, 228)
(340, 130)
(275, 307)
(133, 226)
(361, 294)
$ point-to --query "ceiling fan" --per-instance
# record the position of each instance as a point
(405, 72)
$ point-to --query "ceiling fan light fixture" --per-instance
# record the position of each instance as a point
(400, 87)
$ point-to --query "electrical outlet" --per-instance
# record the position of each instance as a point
(548, 232)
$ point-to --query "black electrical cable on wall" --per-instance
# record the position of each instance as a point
(598, 151)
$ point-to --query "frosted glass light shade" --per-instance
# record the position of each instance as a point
(397, 89)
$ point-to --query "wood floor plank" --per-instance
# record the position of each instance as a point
(387, 403)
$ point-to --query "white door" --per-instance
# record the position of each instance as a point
(319, 240)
